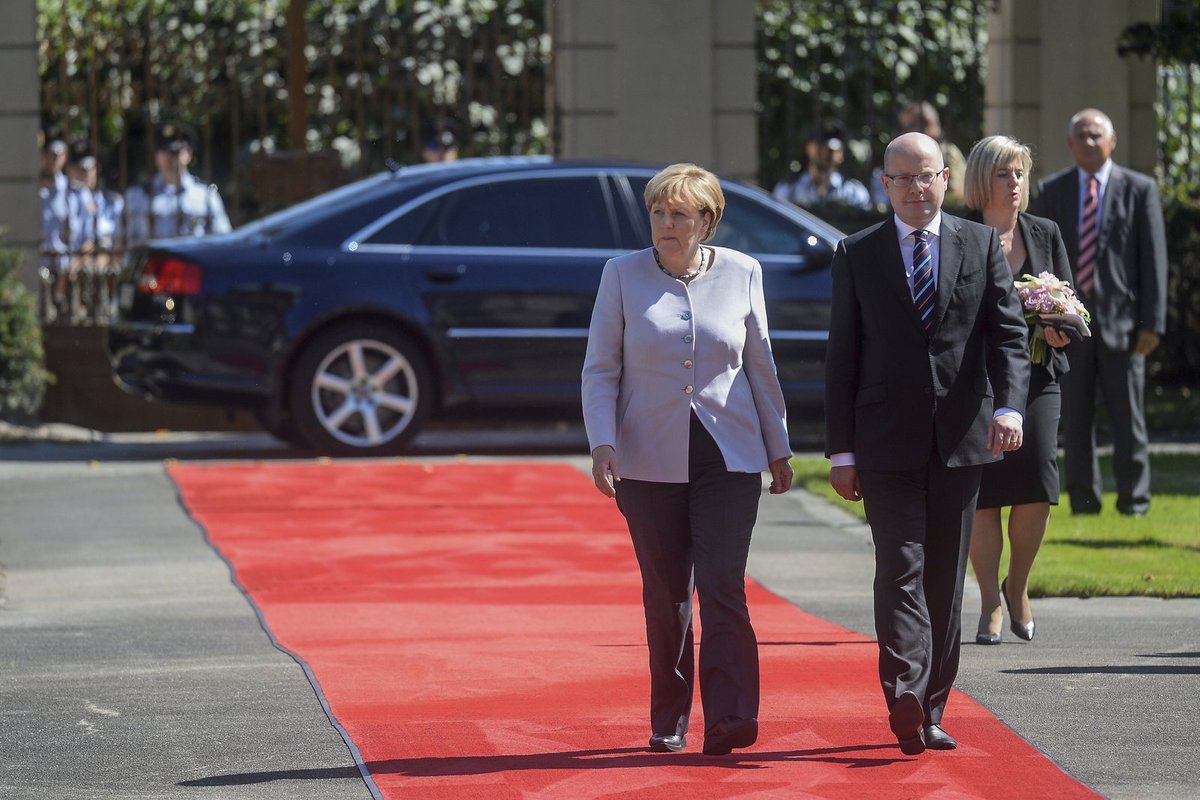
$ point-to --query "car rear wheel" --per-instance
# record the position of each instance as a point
(362, 390)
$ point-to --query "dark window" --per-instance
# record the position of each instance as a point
(753, 228)
(748, 226)
(408, 228)
(536, 212)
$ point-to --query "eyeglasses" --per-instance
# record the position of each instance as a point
(924, 180)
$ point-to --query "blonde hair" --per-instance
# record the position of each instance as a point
(985, 156)
(690, 184)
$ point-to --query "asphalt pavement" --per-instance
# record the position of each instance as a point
(130, 666)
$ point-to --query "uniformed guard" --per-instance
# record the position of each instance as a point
(174, 202)
(55, 253)
(95, 218)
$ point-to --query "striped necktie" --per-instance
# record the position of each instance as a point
(923, 289)
(1089, 239)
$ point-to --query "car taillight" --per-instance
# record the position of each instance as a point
(169, 275)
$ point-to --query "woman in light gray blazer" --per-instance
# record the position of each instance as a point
(683, 412)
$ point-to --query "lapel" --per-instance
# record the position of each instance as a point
(1068, 209)
(1114, 207)
(891, 267)
(950, 261)
(1037, 243)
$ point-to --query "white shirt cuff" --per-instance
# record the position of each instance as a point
(1002, 411)
(841, 460)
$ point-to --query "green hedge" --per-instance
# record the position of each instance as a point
(23, 375)
(1177, 360)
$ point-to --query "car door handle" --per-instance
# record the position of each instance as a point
(447, 275)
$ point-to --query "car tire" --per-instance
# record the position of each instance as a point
(360, 390)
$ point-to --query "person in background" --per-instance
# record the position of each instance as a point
(53, 187)
(683, 411)
(440, 144)
(922, 117)
(997, 189)
(821, 181)
(1112, 223)
(174, 202)
(926, 375)
(95, 229)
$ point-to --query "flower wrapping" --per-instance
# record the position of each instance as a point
(1046, 296)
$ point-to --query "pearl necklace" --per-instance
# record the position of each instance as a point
(687, 276)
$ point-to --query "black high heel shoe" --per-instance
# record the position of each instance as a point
(983, 635)
(1025, 632)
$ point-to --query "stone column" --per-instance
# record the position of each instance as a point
(1048, 60)
(20, 213)
(657, 82)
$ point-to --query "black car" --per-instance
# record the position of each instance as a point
(346, 321)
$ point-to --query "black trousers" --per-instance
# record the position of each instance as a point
(696, 536)
(921, 525)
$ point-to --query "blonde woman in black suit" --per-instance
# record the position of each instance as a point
(997, 188)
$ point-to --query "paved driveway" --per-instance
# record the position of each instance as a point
(133, 668)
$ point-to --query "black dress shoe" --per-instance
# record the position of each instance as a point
(906, 720)
(667, 742)
(1021, 631)
(730, 733)
(938, 739)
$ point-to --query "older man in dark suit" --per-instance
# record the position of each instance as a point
(926, 377)
(1112, 223)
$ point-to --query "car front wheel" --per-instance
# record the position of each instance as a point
(361, 390)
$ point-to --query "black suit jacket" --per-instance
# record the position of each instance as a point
(891, 391)
(1046, 253)
(1131, 271)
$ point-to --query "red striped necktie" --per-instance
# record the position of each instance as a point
(1089, 239)
(923, 289)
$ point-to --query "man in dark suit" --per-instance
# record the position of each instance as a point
(926, 377)
(1112, 223)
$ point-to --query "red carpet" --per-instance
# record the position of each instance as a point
(477, 632)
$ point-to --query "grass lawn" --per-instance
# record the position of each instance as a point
(1157, 555)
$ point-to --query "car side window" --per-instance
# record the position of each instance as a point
(748, 226)
(753, 228)
(533, 212)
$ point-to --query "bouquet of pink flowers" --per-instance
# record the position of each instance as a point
(1050, 301)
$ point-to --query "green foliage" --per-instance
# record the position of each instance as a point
(1174, 42)
(23, 375)
(377, 72)
(1157, 555)
(860, 60)
(1176, 39)
(1179, 128)
(1177, 360)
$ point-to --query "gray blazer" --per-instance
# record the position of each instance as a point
(659, 349)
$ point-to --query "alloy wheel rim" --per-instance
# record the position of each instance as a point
(364, 393)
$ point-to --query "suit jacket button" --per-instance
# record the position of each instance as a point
(688, 338)
(688, 389)
(686, 315)
(687, 364)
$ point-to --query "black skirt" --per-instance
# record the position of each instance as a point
(1030, 474)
